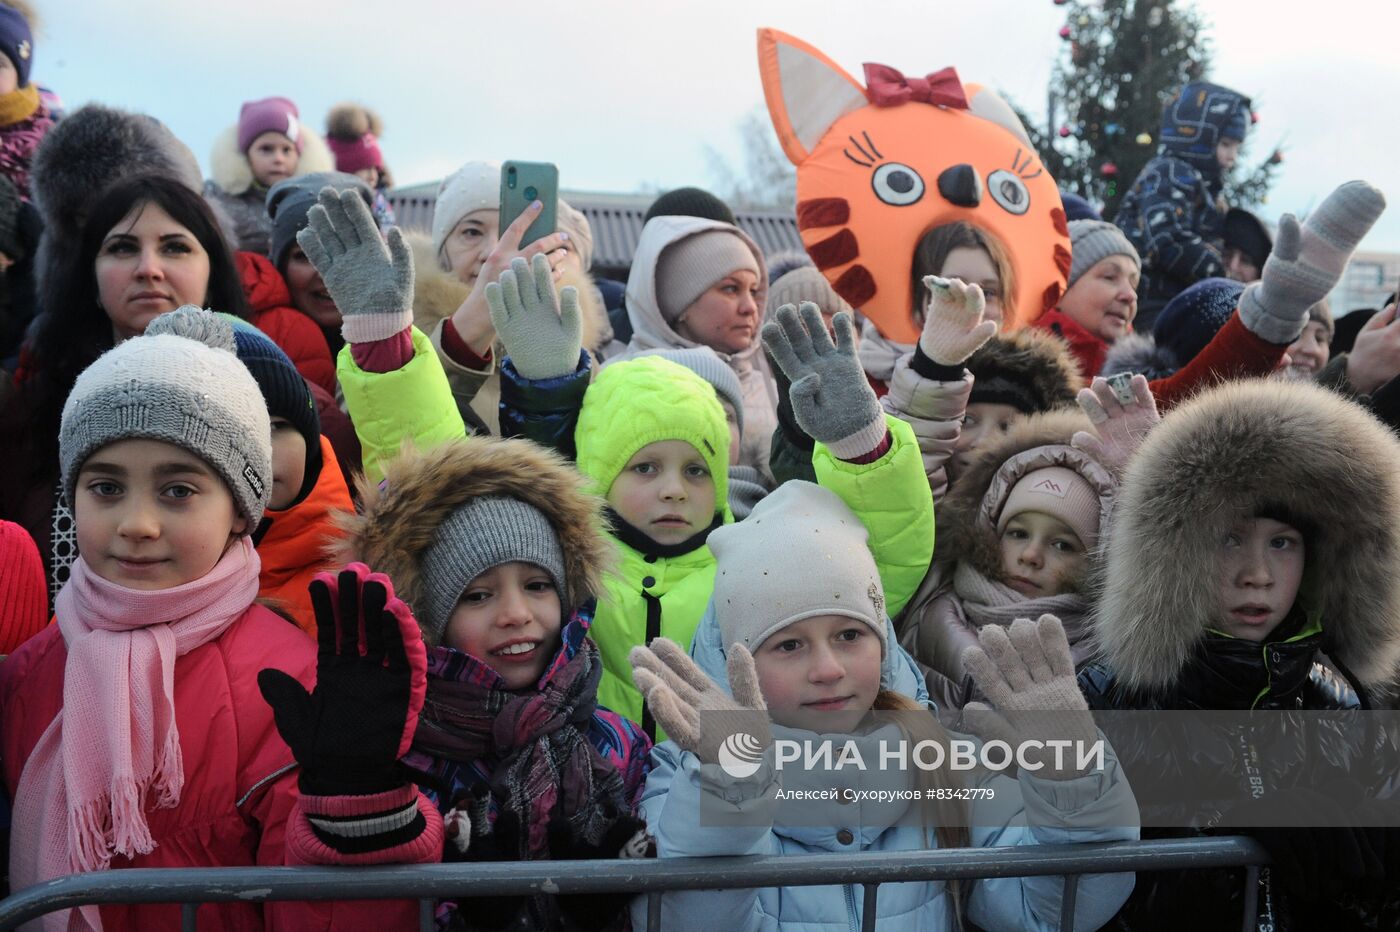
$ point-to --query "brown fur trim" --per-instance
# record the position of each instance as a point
(349, 121)
(1225, 454)
(960, 535)
(1038, 360)
(422, 488)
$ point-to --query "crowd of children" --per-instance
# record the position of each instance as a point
(323, 542)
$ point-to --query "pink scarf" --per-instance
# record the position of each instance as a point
(113, 748)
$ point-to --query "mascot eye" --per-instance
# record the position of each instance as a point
(897, 184)
(1009, 191)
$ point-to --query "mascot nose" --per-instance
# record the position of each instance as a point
(961, 185)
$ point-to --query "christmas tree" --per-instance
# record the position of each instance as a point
(1122, 61)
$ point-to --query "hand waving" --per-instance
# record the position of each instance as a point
(1120, 426)
(542, 335)
(954, 327)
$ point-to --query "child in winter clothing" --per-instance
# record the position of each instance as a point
(499, 552)
(814, 657)
(1172, 213)
(24, 118)
(353, 132)
(1276, 502)
(268, 144)
(165, 448)
(308, 490)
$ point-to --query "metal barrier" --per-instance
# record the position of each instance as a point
(429, 882)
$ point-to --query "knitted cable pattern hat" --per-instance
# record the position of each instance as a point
(24, 598)
(800, 553)
(688, 267)
(571, 220)
(703, 362)
(269, 115)
(193, 393)
(1092, 241)
(644, 400)
(474, 186)
(480, 535)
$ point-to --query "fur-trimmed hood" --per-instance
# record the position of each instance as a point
(422, 489)
(1138, 353)
(1234, 451)
(229, 168)
(966, 519)
(438, 294)
(1034, 360)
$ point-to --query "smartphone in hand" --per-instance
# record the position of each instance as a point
(523, 183)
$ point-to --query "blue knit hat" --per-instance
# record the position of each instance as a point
(16, 41)
(1192, 319)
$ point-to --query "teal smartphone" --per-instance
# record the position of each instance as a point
(523, 183)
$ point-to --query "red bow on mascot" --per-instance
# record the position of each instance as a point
(880, 166)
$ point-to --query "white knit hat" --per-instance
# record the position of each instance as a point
(801, 553)
(474, 186)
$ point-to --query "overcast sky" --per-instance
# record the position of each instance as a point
(628, 94)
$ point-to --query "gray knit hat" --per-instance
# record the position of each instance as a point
(1092, 241)
(290, 201)
(480, 535)
(800, 553)
(688, 267)
(805, 284)
(703, 362)
(195, 395)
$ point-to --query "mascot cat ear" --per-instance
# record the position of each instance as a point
(806, 91)
(989, 105)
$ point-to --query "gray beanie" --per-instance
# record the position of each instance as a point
(1092, 241)
(195, 395)
(480, 535)
(474, 186)
(800, 553)
(703, 362)
(688, 267)
(290, 200)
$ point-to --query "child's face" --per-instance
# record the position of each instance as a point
(726, 316)
(1227, 152)
(1040, 555)
(9, 77)
(470, 242)
(982, 423)
(273, 158)
(309, 294)
(1309, 353)
(148, 263)
(665, 491)
(974, 265)
(288, 463)
(151, 515)
(1104, 299)
(509, 618)
(1261, 567)
(820, 674)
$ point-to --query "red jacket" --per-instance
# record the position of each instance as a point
(273, 314)
(293, 542)
(240, 789)
(1088, 349)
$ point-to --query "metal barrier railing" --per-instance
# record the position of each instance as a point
(430, 882)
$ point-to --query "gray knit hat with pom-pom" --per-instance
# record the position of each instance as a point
(180, 383)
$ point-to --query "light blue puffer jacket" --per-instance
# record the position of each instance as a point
(1028, 811)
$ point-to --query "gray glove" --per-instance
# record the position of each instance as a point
(1307, 262)
(370, 283)
(831, 399)
(542, 336)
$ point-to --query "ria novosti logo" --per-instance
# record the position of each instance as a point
(740, 755)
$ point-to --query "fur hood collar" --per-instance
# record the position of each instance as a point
(229, 168)
(1233, 451)
(1035, 360)
(1138, 353)
(967, 515)
(401, 516)
(437, 294)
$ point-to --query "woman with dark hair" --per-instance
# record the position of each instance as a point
(149, 244)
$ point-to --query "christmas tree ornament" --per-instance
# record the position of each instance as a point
(1064, 32)
(1144, 139)
(1108, 170)
(1065, 131)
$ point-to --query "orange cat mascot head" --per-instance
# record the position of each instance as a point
(879, 167)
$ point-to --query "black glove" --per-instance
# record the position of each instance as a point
(1341, 855)
(350, 731)
(590, 912)
(502, 843)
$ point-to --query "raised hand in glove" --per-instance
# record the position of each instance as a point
(370, 282)
(1120, 426)
(1307, 261)
(693, 710)
(955, 326)
(542, 335)
(831, 399)
(1027, 673)
(349, 732)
